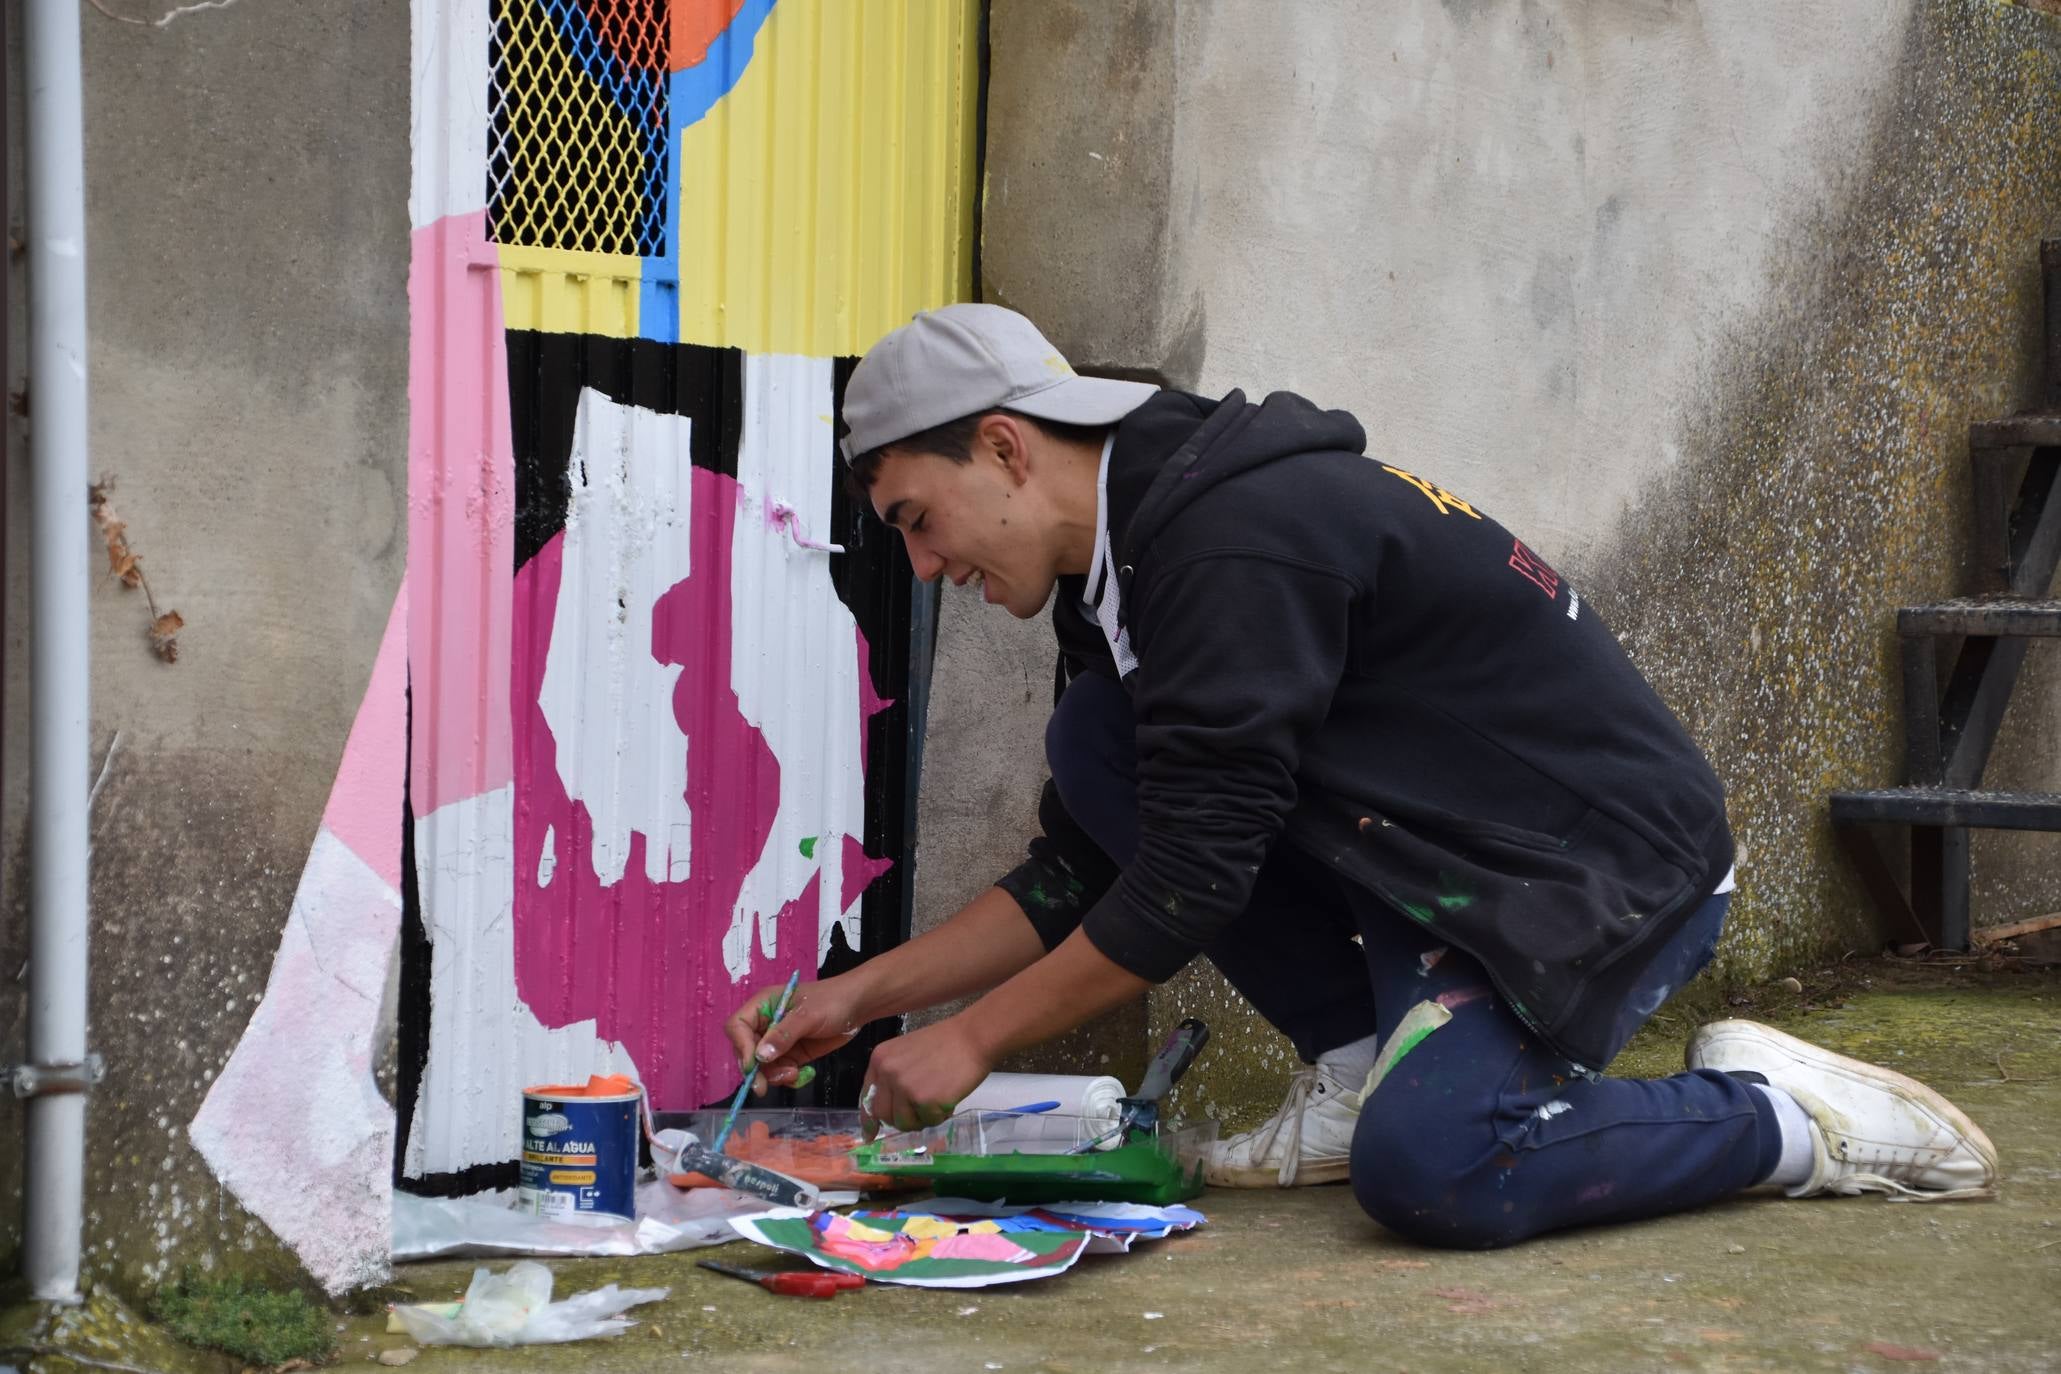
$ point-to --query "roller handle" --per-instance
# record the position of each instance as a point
(1173, 1060)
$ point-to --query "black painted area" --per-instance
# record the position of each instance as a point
(875, 581)
(547, 372)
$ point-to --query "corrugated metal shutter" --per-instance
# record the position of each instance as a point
(658, 742)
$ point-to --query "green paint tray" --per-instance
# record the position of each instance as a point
(996, 1156)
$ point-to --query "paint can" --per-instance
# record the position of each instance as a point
(579, 1149)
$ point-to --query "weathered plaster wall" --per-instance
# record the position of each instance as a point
(1697, 297)
(246, 182)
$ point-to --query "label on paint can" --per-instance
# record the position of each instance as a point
(579, 1153)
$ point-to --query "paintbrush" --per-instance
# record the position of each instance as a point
(752, 1070)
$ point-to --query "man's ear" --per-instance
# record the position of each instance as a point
(1007, 440)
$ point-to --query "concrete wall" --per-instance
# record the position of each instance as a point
(246, 187)
(1697, 297)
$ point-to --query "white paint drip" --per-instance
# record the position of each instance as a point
(485, 1045)
(793, 658)
(1548, 1110)
(294, 1125)
(547, 861)
(166, 18)
(609, 703)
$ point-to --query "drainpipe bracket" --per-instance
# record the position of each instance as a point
(48, 1080)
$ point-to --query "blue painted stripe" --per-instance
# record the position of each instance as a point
(695, 91)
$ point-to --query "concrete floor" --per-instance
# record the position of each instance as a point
(1301, 1278)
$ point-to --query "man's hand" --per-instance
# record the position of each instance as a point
(821, 1017)
(918, 1079)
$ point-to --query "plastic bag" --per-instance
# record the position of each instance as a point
(515, 1308)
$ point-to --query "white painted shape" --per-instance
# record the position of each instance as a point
(547, 861)
(682, 847)
(294, 1125)
(485, 1045)
(608, 702)
(448, 112)
(794, 663)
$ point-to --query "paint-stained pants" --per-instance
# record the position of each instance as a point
(1480, 1136)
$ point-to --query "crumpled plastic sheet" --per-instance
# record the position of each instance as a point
(515, 1308)
(668, 1219)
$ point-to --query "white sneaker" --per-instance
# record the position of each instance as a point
(1308, 1141)
(1872, 1129)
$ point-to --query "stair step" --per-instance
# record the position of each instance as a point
(1949, 806)
(2020, 431)
(2000, 616)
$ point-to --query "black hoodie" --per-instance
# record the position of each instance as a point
(1339, 655)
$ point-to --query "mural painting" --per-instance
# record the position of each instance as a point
(637, 738)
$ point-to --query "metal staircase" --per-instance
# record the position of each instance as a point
(1961, 660)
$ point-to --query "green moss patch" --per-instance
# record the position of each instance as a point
(252, 1322)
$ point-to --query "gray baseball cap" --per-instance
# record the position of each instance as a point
(960, 360)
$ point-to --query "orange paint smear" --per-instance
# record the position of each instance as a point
(696, 24)
(824, 1160)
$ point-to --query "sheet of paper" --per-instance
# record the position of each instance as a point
(960, 1243)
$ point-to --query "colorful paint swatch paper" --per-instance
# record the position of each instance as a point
(1112, 1226)
(961, 1243)
(921, 1250)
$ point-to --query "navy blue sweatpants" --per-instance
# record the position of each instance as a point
(1480, 1136)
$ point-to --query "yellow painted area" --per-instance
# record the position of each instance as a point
(569, 293)
(830, 195)
(572, 1175)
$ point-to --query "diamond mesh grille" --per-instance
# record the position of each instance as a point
(576, 155)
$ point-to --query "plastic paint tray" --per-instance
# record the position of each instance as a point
(991, 1156)
(813, 1144)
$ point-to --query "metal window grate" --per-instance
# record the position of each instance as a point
(576, 154)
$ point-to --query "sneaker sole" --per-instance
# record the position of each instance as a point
(1761, 1048)
(1269, 1175)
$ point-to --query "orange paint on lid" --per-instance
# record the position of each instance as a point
(597, 1085)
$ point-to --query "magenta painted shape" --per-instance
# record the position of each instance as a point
(860, 869)
(461, 507)
(644, 960)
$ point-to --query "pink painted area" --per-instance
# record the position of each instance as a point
(644, 960)
(871, 703)
(364, 809)
(860, 869)
(461, 505)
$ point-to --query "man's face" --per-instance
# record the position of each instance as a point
(972, 520)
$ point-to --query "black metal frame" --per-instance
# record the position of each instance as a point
(1952, 717)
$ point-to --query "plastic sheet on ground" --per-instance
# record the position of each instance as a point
(515, 1308)
(668, 1219)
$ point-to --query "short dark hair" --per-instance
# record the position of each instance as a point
(954, 440)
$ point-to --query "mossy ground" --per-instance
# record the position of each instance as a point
(254, 1323)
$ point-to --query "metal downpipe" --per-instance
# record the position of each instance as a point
(60, 573)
